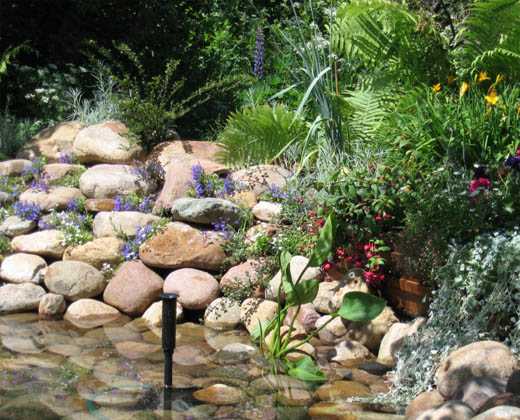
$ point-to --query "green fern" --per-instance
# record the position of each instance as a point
(393, 42)
(490, 39)
(260, 135)
(8, 56)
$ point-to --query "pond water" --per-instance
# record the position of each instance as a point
(51, 369)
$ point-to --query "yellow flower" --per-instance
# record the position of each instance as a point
(492, 97)
(437, 87)
(463, 89)
(451, 79)
(483, 76)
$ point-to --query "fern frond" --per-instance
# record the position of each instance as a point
(490, 40)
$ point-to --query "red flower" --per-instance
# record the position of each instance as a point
(341, 253)
(319, 222)
(326, 266)
(372, 278)
(475, 184)
(518, 152)
(378, 217)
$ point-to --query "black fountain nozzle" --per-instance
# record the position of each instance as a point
(169, 327)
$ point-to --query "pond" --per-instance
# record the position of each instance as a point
(51, 369)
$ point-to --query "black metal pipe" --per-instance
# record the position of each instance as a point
(169, 327)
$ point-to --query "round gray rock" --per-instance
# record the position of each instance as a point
(196, 289)
(114, 223)
(47, 243)
(52, 306)
(15, 226)
(74, 280)
(222, 314)
(205, 210)
(480, 360)
(20, 297)
(23, 268)
(107, 181)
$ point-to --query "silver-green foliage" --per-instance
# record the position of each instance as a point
(260, 134)
(479, 299)
(103, 106)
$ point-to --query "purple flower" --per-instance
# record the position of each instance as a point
(130, 249)
(27, 211)
(45, 225)
(40, 185)
(258, 66)
(65, 158)
(229, 186)
(221, 226)
(197, 176)
(513, 162)
(146, 204)
(276, 192)
(73, 205)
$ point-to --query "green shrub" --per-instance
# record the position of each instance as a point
(430, 127)
(260, 135)
(14, 133)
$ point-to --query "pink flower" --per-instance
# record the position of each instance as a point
(326, 266)
(475, 184)
(372, 278)
(518, 152)
(341, 253)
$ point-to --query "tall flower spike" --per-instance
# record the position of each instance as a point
(258, 67)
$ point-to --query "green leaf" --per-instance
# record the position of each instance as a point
(301, 293)
(260, 331)
(324, 244)
(361, 307)
(306, 369)
(285, 266)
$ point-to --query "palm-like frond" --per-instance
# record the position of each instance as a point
(490, 39)
(390, 40)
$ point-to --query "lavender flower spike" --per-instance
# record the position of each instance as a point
(258, 67)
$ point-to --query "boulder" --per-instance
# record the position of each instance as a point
(182, 246)
(423, 402)
(348, 353)
(97, 252)
(478, 392)
(14, 226)
(306, 318)
(74, 280)
(54, 171)
(220, 394)
(504, 412)
(47, 243)
(153, 315)
(22, 297)
(57, 198)
(266, 211)
(205, 211)
(298, 264)
(241, 279)
(5, 198)
(23, 268)
(394, 339)
(245, 199)
(53, 142)
(99, 204)
(453, 410)
(369, 334)
(14, 167)
(195, 289)
(261, 178)
(107, 142)
(489, 360)
(254, 312)
(261, 230)
(133, 288)
(222, 314)
(113, 224)
(163, 153)
(51, 306)
(178, 179)
(107, 181)
(90, 313)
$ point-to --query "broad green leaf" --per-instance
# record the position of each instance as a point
(361, 307)
(285, 266)
(260, 331)
(324, 244)
(306, 369)
(301, 293)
